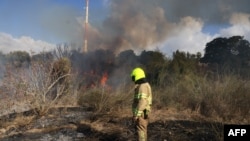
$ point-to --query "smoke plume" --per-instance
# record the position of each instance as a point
(143, 24)
(133, 25)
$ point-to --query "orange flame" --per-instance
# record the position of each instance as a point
(104, 79)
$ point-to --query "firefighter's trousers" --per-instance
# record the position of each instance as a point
(141, 127)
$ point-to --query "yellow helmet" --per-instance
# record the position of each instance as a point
(137, 74)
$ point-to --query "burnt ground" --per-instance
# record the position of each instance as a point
(79, 124)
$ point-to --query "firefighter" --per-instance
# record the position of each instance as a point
(142, 103)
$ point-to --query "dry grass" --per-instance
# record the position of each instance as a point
(18, 121)
(51, 129)
(225, 99)
(103, 100)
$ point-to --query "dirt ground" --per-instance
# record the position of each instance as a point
(79, 124)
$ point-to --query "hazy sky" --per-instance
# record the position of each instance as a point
(168, 25)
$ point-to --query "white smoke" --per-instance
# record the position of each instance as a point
(186, 36)
(240, 25)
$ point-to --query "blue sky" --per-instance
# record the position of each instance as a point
(32, 17)
(167, 25)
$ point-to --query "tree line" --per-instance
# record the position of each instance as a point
(222, 55)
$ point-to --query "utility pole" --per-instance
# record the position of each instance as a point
(85, 45)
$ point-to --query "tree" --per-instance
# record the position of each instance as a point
(183, 63)
(43, 57)
(154, 63)
(127, 59)
(233, 52)
(19, 58)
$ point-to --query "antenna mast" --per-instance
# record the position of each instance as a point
(85, 47)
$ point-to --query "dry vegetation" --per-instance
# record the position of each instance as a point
(225, 100)
(39, 86)
(185, 107)
(109, 116)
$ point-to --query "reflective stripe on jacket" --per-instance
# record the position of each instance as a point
(142, 99)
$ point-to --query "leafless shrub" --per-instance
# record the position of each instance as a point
(41, 85)
(62, 50)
